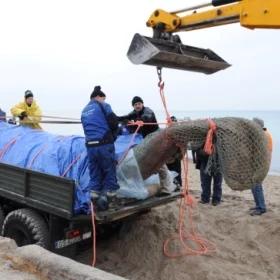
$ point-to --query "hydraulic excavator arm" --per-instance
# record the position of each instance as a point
(250, 13)
(166, 49)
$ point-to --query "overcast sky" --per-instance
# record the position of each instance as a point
(61, 49)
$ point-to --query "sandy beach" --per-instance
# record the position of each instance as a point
(246, 247)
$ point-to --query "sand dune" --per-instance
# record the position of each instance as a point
(246, 247)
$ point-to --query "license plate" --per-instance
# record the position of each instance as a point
(66, 242)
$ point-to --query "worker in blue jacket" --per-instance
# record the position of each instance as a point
(100, 126)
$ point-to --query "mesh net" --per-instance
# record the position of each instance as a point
(241, 148)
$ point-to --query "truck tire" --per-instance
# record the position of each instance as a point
(2, 217)
(26, 227)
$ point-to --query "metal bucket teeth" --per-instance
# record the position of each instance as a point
(163, 53)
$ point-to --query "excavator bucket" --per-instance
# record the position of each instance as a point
(163, 53)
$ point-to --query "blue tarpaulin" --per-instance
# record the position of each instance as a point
(57, 155)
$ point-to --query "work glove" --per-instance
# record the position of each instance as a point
(22, 115)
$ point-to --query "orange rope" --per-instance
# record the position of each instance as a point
(187, 203)
(131, 142)
(161, 92)
(191, 242)
(201, 246)
(139, 125)
(208, 146)
(93, 234)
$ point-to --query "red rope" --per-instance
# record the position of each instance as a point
(7, 146)
(161, 92)
(187, 203)
(139, 125)
(60, 138)
(191, 242)
(71, 164)
(131, 142)
(36, 155)
(93, 234)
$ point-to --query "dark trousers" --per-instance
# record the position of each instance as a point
(259, 197)
(102, 168)
(206, 185)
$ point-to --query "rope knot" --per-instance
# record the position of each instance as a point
(139, 123)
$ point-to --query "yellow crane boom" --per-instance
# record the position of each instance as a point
(250, 13)
(166, 49)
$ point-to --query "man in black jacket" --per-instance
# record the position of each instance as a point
(140, 113)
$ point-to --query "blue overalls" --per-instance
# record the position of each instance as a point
(100, 147)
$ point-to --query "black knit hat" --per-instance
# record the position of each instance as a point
(97, 92)
(136, 99)
(28, 93)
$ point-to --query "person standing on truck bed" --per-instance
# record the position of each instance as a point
(28, 111)
(100, 126)
(141, 113)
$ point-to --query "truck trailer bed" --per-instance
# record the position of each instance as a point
(55, 195)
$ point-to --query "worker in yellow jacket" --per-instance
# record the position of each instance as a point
(28, 111)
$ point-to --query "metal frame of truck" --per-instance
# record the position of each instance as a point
(51, 198)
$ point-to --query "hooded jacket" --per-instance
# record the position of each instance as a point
(33, 112)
